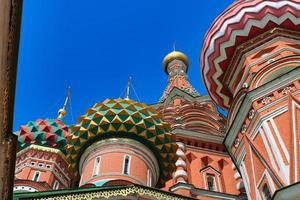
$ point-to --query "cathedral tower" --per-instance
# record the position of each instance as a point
(41, 163)
(204, 169)
(250, 66)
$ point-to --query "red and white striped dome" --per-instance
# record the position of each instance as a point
(240, 22)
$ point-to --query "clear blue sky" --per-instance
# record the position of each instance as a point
(94, 45)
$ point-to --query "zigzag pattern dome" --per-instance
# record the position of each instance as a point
(124, 119)
(49, 133)
(240, 22)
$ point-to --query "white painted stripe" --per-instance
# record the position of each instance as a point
(294, 105)
(278, 157)
(245, 179)
(253, 174)
(268, 149)
(279, 138)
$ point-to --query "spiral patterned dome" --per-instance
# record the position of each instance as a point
(119, 118)
(45, 132)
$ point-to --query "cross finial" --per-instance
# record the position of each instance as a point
(174, 45)
(128, 88)
(62, 112)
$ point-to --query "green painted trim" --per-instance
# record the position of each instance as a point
(53, 193)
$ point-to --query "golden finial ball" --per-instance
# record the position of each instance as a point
(175, 55)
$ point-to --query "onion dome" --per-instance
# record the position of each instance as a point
(49, 133)
(239, 23)
(124, 118)
(177, 75)
(175, 55)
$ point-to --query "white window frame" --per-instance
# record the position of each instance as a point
(38, 174)
(128, 166)
(149, 178)
(214, 182)
(97, 164)
(56, 185)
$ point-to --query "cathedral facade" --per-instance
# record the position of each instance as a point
(182, 147)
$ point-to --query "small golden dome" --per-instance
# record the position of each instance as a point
(172, 56)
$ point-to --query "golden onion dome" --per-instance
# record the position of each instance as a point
(174, 55)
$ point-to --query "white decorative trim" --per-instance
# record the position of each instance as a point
(97, 164)
(295, 142)
(279, 138)
(266, 117)
(199, 136)
(55, 185)
(180, 153)
(25, 188)
(245, 179)
(180, 173)
(149, 178)
(283, 169)
(181, 145)
(180, 163)
(269, 151)
(253, 174)
(237, 175)
(269, 180)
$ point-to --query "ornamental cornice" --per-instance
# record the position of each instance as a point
(258, 100)
(199, 136)
(43, 149)
(104, 192)
(254, 46)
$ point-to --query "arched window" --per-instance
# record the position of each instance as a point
(211, 183)
(36, 176)
(126, 165)
(96, 166)
(266, 192)
(56, 185)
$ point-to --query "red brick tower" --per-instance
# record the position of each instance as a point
(250, 66)
(204, 169)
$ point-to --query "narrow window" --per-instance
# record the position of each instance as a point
(56, 185)
(126, 165)
(266, 192)
(149, 178)
(211, 183)
(96, 166)
(36, 176)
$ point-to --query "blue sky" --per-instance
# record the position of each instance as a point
(95, 45)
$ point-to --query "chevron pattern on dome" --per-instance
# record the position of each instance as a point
(128, 119)
(48, 133)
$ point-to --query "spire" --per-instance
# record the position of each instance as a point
(176, 66)
(128, 88)
(174, 46)
(62, 112)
